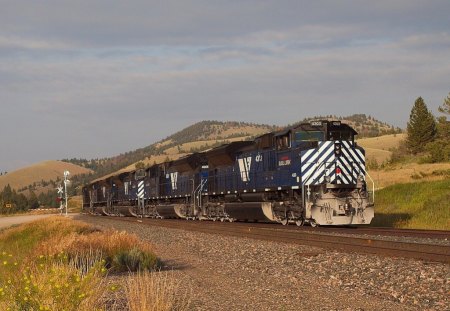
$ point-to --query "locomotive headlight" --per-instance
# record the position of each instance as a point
(337, 149)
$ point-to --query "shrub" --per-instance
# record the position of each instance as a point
(134, 260)
(120, 250)
(51, 285)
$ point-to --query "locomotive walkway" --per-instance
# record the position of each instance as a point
(421, 251)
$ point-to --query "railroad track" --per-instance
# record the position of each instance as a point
(413, 233)
(427, 252)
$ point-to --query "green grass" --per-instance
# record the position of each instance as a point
(421, 205)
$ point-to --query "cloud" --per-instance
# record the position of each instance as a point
(17, 42)
(109, 78)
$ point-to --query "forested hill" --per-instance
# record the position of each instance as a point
(197, 137)
(366, 126)
(207, 134)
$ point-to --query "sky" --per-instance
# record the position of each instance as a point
(92, 79)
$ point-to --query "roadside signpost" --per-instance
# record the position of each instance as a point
(63, 192)
(60, 194)
(66, 181)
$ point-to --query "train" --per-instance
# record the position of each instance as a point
(312, 173)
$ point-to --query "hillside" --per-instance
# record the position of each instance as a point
(43, 171)
(209, 134)
(197, 137)
(366, 126)
(380, 148)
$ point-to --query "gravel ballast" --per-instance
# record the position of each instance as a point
(232, 273)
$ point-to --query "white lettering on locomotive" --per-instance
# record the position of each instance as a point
(258, 157)
(173, 179)
(244, 168)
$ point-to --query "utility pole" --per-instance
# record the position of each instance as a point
(66, 181)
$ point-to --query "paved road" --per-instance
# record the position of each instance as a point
(16, 220)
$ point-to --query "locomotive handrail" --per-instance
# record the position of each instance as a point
(373, 187)
(304, 184)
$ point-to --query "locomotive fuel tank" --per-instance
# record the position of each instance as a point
(169, 211)
(252, 211)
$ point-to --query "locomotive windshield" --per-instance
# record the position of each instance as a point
(308, 136)
(340, 135)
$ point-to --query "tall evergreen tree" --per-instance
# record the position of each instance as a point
(440, 149)
(445, 108)
(421, 127)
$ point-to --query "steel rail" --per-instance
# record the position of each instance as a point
(421, 251)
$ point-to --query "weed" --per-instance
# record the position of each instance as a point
(155, 291)
(61, 264)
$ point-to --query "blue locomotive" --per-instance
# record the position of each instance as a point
(310, 173)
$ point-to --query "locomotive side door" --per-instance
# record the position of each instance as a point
(284, 158)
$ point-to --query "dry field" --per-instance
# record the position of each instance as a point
(46, 170)
(379, 148)
(407, 173)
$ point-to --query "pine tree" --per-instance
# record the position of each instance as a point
(445, 108)
(439, 150)
(421, 127)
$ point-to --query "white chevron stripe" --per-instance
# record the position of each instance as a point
(141, 189)
(347, 169)
(360, 165)
(310, 167)
(308, 153)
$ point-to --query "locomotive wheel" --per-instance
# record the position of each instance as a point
(313, 223)
(300, 222)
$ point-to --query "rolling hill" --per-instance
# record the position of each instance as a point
(380, 148)
(208, 134)
(39, 172)
(197, 137)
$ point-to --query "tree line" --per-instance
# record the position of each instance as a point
(12, 201)
(429, 135)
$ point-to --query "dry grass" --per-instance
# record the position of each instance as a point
(62, 264)
(197, 144)
(147, 161)
(164, 143)
(385, 142)
(41, 171)
(379, 148)
(378, 155)
(252, 130)
(156, 291)
(120, 250)
(75, 203)
(407, 173)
